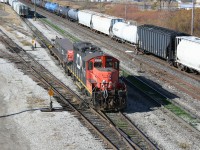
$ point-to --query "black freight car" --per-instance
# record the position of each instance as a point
(158, 41)
(63, 51)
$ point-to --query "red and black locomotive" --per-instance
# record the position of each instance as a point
(95, 73)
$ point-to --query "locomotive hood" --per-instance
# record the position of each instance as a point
(106, 77)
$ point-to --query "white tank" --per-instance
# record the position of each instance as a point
(188, 52)
(84, 17)
(125, 32)
(103, 23)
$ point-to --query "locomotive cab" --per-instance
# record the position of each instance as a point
(97, 74)
(103, 82)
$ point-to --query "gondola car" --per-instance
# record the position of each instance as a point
(95, 73)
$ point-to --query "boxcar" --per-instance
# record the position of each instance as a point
(125, 32)
(21, 9)
(188, 53)
(63, 51)
(158, 41)
(11, 2)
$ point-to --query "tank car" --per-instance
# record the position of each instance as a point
(57, 10)
(104, 23)
(125, 32)
(188, 53)
(47, 5)
(73, 14)
(64, 11)
(53, 7)
(94, 72)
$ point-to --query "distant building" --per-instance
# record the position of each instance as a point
(188, 6)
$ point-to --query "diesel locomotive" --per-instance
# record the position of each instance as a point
(95, 73)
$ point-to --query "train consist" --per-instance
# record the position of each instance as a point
(20, 8)
(152, 39)
(94, 72)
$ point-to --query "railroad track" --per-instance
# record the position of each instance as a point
(70, 101)
(156, 98)
(130, 58)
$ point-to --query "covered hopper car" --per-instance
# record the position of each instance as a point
(188, 53)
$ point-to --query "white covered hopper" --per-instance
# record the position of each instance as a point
(84, 17)
(188, 52)
(125, 32)
(104, 23)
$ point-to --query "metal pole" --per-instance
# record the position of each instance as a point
(125, 11)
(192, 20)
(34, 10)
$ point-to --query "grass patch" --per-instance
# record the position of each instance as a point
(61, 31)
(25, 43)
(164, 101)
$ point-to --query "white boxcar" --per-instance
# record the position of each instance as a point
(3, 1)
(188, 52)
(104, 23)
(11, 2)
(125, 32)
(84, 17)
(21, 9)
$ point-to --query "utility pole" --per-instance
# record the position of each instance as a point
(34, 10)
(125, 11)
(192, 20)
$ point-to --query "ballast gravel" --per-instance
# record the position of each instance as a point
(32, 130)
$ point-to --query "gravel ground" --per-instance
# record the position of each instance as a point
(158, 126)
(34, 129)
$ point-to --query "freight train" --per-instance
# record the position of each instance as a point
(155, 40)
(95, 73)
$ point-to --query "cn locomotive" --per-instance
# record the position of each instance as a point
(95, 73)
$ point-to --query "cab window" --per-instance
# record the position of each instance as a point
(98, 64)
(116, 65)
(90, 65)
(109, 62)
